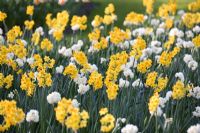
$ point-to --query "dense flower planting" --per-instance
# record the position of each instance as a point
(141, 77)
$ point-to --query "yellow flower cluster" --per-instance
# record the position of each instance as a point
(27, 83)
(109, 16)
(44, 79)
(149, 5)
(42, 64)
(166, 57)
(102, 44)
(29, 24)
(196, 41)
(3, 16)
(35, 38)
(137, 48)
(13, 34)
(194, 6)
(144, 65)
(79, 21)
(109, 9)
(179, 90)
(3, 56)
(190, 19)
(155, 82)
(58, 24)
(96, 39)
(46, 44)
(134, 18)
(107, 120)
(114, 68)
(71, 70)
(151, 79)
(162, 83)
(94, 35)
(95, 80)
(19, 49)
(12, 115)
(71, 116)
(170, 42)
(118, 36)
(97, 21)
(169, 23)
(30, 10)
(154, 103)
(167, 9)
(81, 59)
(6, 81)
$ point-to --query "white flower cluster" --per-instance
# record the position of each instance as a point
(123, 83)
(191, 63)
(124, 45)
(195, 92)
(59, 69)
(180, 76)
(67, 52)
(141, 32)
(11, 95)
(102, 60)
(32, 116)
(80, 79)
(194, 129)
(137, 83)
(40, 30)
(75, 103)
(156, 47)
(196, 113)
(196, 29)
(53, 97)
(127, 68)
(82, 89)
(30, 60)
(176, 32)
(155, 22)
(129, 128)
(185, 44)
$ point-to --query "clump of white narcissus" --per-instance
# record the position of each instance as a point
(129, 128)
(32, 116)
(194, 129)
(53, 97)
(196, 113)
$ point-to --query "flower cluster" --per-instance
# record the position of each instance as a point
(149, 5)
(107, 120)
(27, 83)
(109, 16)
(12, 115)
(79, 23)
(71, 116)
(6, 81)
(134, 19)
(155, 82)
(116, 61)
(57, 25)
(144, 65)
(95, 79)
(118, 36)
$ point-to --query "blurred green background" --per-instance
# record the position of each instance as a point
(125, 6)
(16, 11)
